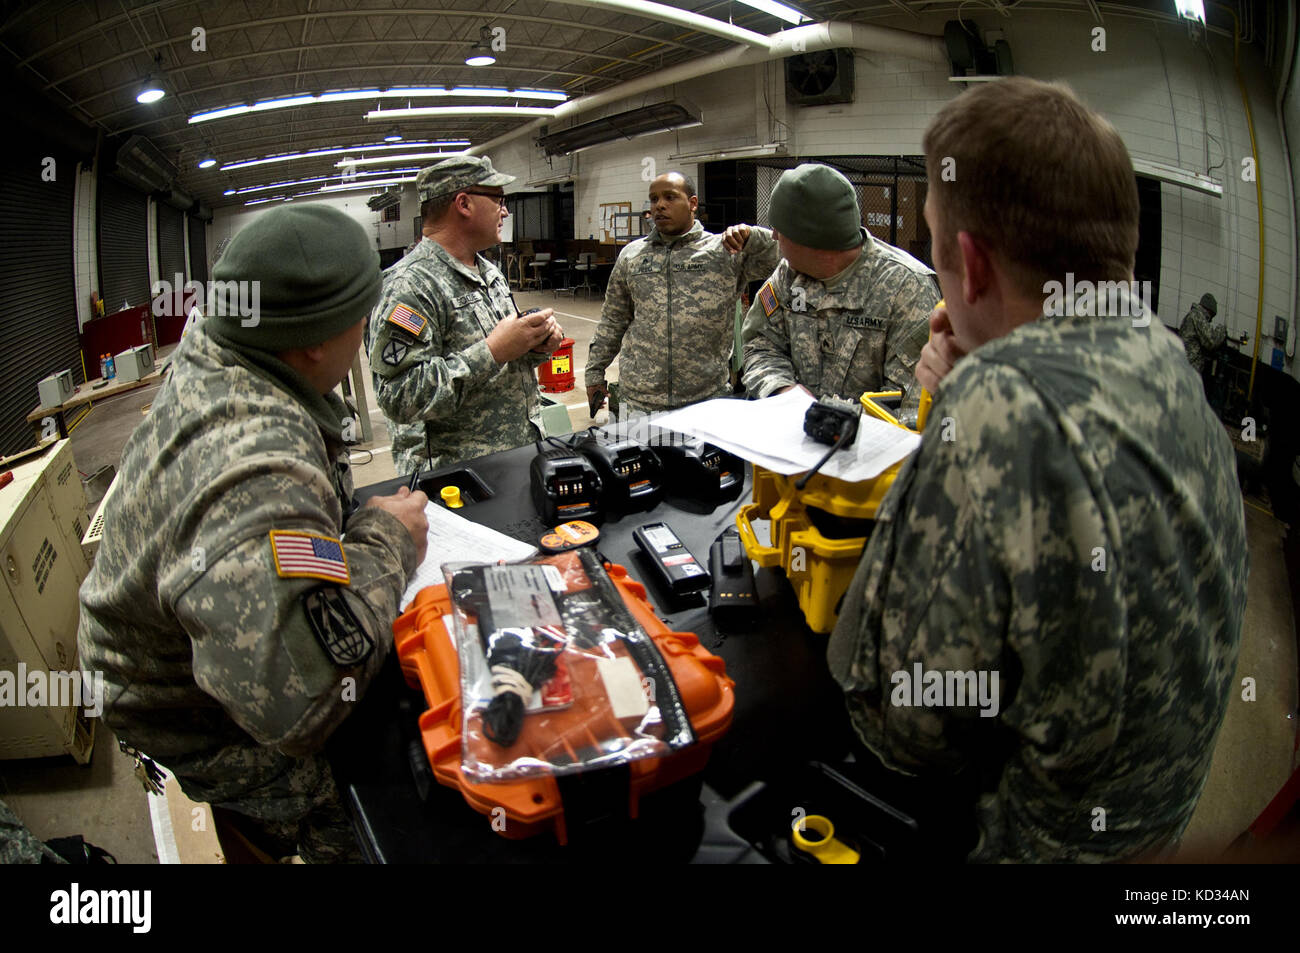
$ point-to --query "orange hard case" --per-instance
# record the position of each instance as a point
(533, 805)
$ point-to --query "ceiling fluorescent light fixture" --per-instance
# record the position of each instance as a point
(207, 162)
(664, 13)
(373, 147)
(1191, 10)
(432, 112)
(488, 92)
(394, 92)
(411, 157)
(393, 135)
(365, 185)
(740, 152)
(779, 10)
(319, 178)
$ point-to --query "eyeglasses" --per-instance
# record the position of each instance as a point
(499, 196)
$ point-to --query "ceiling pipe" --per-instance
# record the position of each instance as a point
(804, 39)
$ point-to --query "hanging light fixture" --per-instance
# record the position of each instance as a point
(207, 160)
(393, 135)
(150, 91)
(480, 54)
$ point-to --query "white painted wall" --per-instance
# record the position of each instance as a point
(1170, 100)
(1175, 102)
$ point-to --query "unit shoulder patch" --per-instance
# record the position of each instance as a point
(767, 297)
(307, 555)
(395, 352)
(410, 321)
(335, 625)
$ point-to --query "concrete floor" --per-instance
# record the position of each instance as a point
(104, 802)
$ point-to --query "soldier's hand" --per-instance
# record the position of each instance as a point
(940, 352)
(408, 507)
(596, 398)
(515, 337)
(734, 238)
(553, 339)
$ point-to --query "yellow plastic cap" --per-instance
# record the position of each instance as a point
(451, 496)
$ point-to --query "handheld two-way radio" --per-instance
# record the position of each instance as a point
(733, 603)
(829, 420)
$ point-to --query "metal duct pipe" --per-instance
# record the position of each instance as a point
(176, 199)
(804, 39)
(1284, 80)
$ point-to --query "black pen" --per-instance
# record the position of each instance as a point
(428, 449)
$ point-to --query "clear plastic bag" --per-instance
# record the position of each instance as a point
(556, 676)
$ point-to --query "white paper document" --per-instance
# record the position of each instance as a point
(455, 539)
(769, 432)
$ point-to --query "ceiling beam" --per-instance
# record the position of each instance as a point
(409, 13)
(391, 67)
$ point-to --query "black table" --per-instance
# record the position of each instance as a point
(790, 746)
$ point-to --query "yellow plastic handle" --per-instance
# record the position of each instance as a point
(763, 555)
(816, 836)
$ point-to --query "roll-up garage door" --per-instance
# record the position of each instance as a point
(38, 308)
(123, 245)
(171, 243)
(198, 249)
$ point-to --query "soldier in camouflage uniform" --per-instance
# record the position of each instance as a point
(844, 313)
(1071, 520)
(670, 304)
(237, 606)
(1201, 336)
(18, 845)
(450, 358)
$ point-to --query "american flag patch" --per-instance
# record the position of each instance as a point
(305, 554)
(407, 320)
(768, 298)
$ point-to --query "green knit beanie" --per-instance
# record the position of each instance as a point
(814, 205)
(303, 274)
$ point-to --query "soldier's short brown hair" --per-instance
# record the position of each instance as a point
(1028, 168)
(432, 210)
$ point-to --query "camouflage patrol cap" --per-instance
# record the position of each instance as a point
(456, 173)
(814, 205)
